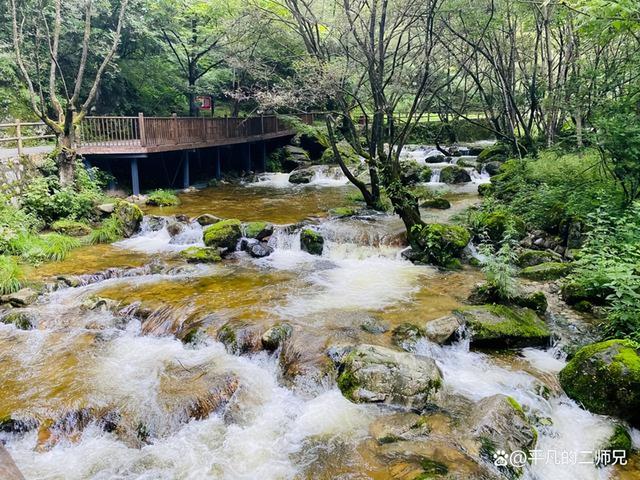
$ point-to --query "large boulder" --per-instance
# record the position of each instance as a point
(224, 234)
(440, 244)
(605, 378)
(406, 335)
(454, 174)
(492, 168)
(129, 217)
(273, 337)
(497, 223)
(530, 258)
(499, 423)
(312, 140)
(370, 373)
(207, 219)
(499, 326)
(347, 153)
(496, 152)
(311, 241)
(302, 175)
(546, 271)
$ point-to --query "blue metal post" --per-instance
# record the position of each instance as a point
(185, 170)
(135, 179)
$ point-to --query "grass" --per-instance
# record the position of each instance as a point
(110, 231)
(10, 275)
(38, 248)
(163, 198)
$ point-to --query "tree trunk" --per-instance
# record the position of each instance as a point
(67, 156)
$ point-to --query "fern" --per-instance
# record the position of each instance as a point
(10, 275)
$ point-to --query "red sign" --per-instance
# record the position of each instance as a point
(204, 103)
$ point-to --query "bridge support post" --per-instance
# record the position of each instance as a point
(245, 154)
(218, 173)
(135, 178)
(263, 156)
(185, 170)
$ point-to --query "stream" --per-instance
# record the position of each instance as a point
(130, 391)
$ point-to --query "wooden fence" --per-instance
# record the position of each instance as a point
(21, 132)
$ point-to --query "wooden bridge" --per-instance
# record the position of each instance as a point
(143, 135)
(110, 140)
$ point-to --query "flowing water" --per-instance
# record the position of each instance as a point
(129, 399)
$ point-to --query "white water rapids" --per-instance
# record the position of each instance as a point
(270, 429)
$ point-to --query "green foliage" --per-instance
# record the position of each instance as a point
(35, 248)
(498, 268)
(110, 231)
(440, 244)
(163, 198)
(619, 146)
(609, 266)
(10, 275)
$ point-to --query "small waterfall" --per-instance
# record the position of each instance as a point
(328, 176)
(163, 234)
(271, 180)
(435, 175)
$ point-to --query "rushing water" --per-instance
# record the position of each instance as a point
(258, 422)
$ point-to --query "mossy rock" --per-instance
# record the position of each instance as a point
(407, 334)
(605, 378)
(499, 326)
(273, 337)
(499, 222)
(546, 271)
(201, 255)
(454, 174)
(162, 198)
(497, 151)
(129, 217)
(347, 153)
(314, 141)
(437, 203)
(21, 320)
(440, 244)
(411, 172)
(258, 230)
(573, 293)
(620, 441)
(71, 228)
(311, 241)
(486, 189)
(487, 293)
(529, 258)
(224, 234)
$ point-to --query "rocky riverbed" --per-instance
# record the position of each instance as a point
(325, 355)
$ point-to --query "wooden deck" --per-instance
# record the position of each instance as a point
(143, 135)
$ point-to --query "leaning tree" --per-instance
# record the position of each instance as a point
(62, 51)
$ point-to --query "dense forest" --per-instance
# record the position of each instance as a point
(471, 165)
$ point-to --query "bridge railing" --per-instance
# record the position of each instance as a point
(157, 131)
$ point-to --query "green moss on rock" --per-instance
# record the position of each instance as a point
(343, 212)
(619, 441)
(546, 271)
(129, 216)
(499, 326)
(440, 244)
(311, 241)
(499, 222)
(497, 151)
(529, 258)
(347, 153)
(605, 378)
(454, 174)
(71, 227)
(224, 234)
(437, 203)
(162, 198)
(201, 255)
(486, 189)
(258, 230)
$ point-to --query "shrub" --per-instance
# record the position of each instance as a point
(498, 268)
(163, 198)
(10, 275)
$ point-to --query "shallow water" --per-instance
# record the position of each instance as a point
(191, 411)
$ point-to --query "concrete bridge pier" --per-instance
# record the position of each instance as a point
(245, 156)
(185, 169)
(135, 177)
(217, 165)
